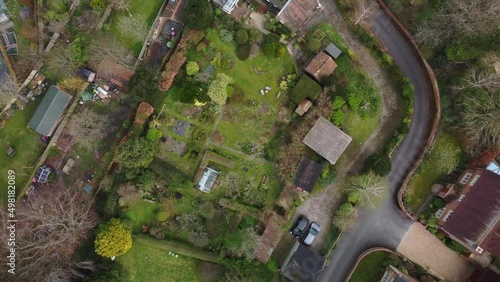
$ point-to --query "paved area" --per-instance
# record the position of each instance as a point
(259, 21)
(429, 252)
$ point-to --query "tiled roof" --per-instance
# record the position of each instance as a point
(321, 66)
(295, 13)
(327, 140)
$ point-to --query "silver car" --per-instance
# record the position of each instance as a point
(311, 234)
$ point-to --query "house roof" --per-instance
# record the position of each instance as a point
(117, 73)
(303, 107)
(295, 13)
(302, 264)
(321, 66)
(475, 221)
(307, 174)
(49, 111)
(333, 50)
(327, 140)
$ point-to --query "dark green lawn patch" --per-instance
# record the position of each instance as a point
(141, 213)
(306, 88)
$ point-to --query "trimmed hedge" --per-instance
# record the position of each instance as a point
(306, 88)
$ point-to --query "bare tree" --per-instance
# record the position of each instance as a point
(460, 18)
(481, 119)
(371, 187)
(87, 128)
(9, 89)
(106, 47)
(363, 12)
(50, 228)
(133, 27)
(129, 194)
(483, 79)
(121, 5)
(60, 62)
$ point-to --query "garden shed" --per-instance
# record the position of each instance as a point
(207, 179)
(50, 111)
(327, 140)
(321, 66)
(333, 50)
(303, 107)
(42, 175)
(307, 174)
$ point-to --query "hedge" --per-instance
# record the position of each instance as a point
(306, 88)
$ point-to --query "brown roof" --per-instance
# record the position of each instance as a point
(117, 73)
(269, 240)
(303, 107)
(321, 66)
(295, 13)
(327, 140)
(307, 174)
(475, 221)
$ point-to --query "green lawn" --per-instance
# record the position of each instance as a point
(138, 8)
(25, 141)
(147, 263)
(368, 268)
(420, 185)
(244, 123)
(141, 213)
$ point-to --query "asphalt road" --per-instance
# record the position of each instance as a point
(387, 225)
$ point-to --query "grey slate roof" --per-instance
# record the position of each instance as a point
(307, 174)
(49, 111)
(333, 50)
(302, 264)
(327, 140)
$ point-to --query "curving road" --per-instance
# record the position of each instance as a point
(387, 225)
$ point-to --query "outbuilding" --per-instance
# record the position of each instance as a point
(50, 111)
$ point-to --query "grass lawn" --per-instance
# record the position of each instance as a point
(368, 268)
(147, 263)
(255, 120)
(138, 8)
(420, 185)
(25, 141)
(141, 213)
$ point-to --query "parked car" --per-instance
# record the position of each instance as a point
(299, 227)
(311, 234)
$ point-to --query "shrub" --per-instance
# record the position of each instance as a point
(207, 210)
(314, 44)
(270, 44)
(241, 37)
(162, 216)
(243, 52)
(338, 117)
(192, 68)
(338, 103)
(154, 134)
(353, 197)
(305, 88)
(354, 100)
(272, 265)
(280, 51)
(226, 36)
(438, 203)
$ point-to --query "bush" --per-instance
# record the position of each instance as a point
(305, 88)
(241, 37)
(243, 52)
(198, 14)
(162, 216)
(272, 265)
(154, 134)
(338, 103)
(354, 100)
(379, 163)
(438, 203)
(314, 44)
(338, 117)
(280, 51)
(207, 210)
(226, 36)
(270, 44)
(192, 68)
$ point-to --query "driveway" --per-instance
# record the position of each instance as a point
(387, 225)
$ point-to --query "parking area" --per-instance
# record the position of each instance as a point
(425, 249)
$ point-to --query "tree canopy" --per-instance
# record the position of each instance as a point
(87, 128)
(198, 14)
(136, 153)
(369, 189)
(481, 118)
(217, 89)
(270, 44)
(113, 239)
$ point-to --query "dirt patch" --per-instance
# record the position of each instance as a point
(210, 272)
(144, 111)
(177, 147)
(218, 138)
(264, 109)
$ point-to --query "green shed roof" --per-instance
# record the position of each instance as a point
(49, 111)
